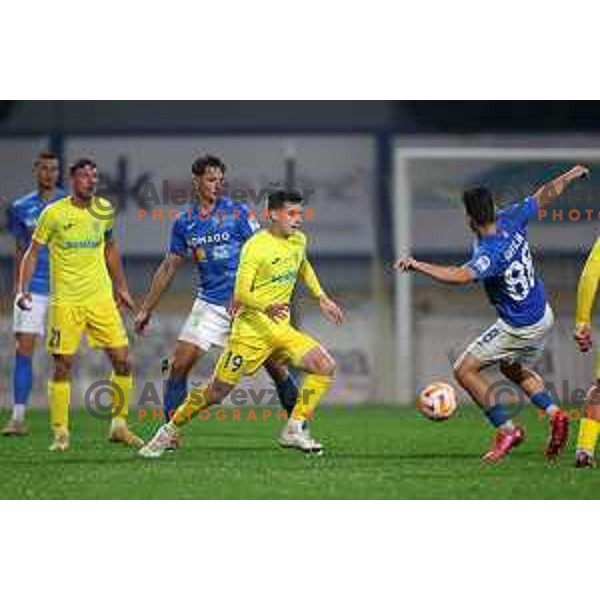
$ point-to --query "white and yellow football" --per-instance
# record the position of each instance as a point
(437, 401)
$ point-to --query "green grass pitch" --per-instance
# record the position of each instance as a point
(372, 452)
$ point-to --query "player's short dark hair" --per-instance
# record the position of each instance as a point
(479, 205)
(81, 163)
(46, 155)
(202, 163)
(277, 199)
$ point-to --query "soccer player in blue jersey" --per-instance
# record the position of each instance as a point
(23, 215)
(502, 262)
(212, 234)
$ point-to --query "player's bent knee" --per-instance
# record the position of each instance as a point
(320, 362)
(122, 366)
(62, 367)
(24, 344)
(218, 391)
(512, 371)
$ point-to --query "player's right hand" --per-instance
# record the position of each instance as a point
(278, 311)
(24, 300)
(141, 320)
(583, 337)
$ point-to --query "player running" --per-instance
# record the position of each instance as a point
(84, 266)
(502, 262)
(589, 426)
(212, 233)
(270, 265)
(28, 325)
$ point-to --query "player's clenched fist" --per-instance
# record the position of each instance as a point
(24, 300)
(578, 172)
(405, 264)
(583, 337)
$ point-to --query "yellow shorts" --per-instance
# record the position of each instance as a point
(245, 356)
(102, 322)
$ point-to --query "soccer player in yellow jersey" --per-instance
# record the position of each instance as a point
(270, 264)
(84, 266)
(589, 426)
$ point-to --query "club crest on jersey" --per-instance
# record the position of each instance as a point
(482, 264)
(199, 254)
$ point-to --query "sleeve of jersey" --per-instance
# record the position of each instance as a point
(249, 223)
(522, 212)
(588, 284)
(177, 243)
(483, 265)
(310, 279)
(248, 266)
(109, 230)
(43, 231)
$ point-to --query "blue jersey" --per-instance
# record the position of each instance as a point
(214, 242)
(23, 216)
(503, 263)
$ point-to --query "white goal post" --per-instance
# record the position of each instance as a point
(410, 155)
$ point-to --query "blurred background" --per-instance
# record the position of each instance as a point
(383, 179)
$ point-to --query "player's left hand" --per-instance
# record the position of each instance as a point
(583, 337)
(579, 172)
(278, 311)
(331, 310)
(124, 300)
(405, 264)
(234, 307)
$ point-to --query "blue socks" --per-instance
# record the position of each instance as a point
(288, 393)
(175, 394)
(22, 379)
(497, 415)
(543, 400)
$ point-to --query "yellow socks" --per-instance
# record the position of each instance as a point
(121, 401)
(313, 388)
(192, 405)
(59, 398)
(588, 435)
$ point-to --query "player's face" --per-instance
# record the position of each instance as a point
(209, 185)
(290, 218)
(47, 173)
(84, 182)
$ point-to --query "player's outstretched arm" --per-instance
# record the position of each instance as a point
(160, 283)
(117, 274)
(26, 271)
(586, 294)
(451, 275)
(549, 191)
(331, 311)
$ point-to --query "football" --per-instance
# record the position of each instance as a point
(437, 401)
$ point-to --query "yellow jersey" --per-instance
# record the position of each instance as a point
(588, 283)
(75, 238)
(267, 273)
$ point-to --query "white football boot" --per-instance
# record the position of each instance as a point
(162, 441)
(294, 435)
